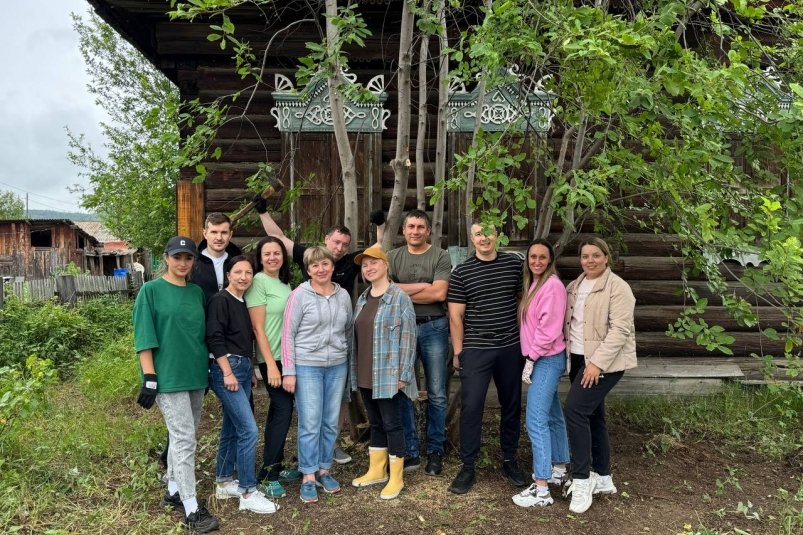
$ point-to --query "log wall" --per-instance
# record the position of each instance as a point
(649, 262)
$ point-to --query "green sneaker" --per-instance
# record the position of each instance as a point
(289, 474)
(272, 489)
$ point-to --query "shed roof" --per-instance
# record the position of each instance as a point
(97, 230)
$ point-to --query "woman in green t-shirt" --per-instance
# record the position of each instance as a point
(266, 301)
(169, 332)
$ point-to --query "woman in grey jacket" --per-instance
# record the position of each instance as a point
(601, 344)
(316, 343)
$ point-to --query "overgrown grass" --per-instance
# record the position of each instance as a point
(82, 462)
(763, 420)
(59, 333)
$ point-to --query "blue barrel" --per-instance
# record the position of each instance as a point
(121, 272)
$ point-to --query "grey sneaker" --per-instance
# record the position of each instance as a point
(341, 457)
(411, 463)
(227, 489)
(558, 478)
(530, 498)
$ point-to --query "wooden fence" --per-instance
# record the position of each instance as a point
(72, 288)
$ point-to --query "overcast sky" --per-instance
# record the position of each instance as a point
(42, 91)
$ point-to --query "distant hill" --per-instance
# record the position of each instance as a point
(55, 214)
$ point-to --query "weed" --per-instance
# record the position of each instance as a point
(791, 513)
(765, 420)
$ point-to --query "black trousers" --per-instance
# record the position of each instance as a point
(585, 421)
(384, 415)
(478, 366)
(280, 414)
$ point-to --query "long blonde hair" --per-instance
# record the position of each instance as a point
(527, 279)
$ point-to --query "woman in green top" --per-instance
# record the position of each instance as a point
(169, 332)
(266, 300)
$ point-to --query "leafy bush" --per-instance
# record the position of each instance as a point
(22, 390)
(62, 334)
(109, 316)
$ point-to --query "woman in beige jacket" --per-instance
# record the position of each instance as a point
(601, 344)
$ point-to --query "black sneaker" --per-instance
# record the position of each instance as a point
(173, 502)
(412, 463)
(514, 474)
(201, 521)
(464, 481)
(434, 464)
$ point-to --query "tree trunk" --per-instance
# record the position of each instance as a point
(472, 170)
(421, 137)
(346, 155)
(440, 140)
(401, 163)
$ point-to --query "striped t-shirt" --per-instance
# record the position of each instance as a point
(490, 291)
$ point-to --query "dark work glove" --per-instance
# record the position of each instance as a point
(260, 204)
(147, 394)
(377, 217)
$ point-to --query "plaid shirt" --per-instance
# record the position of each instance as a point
(394, 344)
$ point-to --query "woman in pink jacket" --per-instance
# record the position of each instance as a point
(541, 313)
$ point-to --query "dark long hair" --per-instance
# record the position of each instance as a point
(284, 271)
(528, 278)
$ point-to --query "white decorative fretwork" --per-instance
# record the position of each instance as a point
(504, 106)
(313, 113)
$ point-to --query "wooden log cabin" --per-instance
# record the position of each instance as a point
(35, 248)
(651, 263)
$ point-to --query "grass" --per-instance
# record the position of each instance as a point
(82, 461)
(766, 421)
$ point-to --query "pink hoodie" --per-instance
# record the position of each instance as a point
(542, 327)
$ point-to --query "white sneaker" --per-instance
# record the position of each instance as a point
(229, 489)
(531, 498)
(582, 495)
(256, 502)
(558, 478)
(603, 484)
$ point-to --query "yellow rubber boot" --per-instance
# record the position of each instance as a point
(377, 468)
(396, 483)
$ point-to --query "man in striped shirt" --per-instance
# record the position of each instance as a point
(483, 299)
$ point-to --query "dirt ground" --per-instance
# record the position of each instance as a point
(693, 483)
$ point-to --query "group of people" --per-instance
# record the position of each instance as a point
(513, 322)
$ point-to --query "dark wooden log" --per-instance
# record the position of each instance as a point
(658, 344)
(631, 268)
(668, 292)
(633, 244)
(656, 318)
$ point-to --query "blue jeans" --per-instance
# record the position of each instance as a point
(319, 390)
(432, 347)
(238, 434)
(545, 423)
